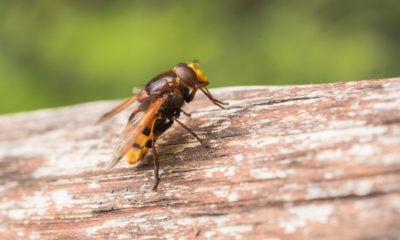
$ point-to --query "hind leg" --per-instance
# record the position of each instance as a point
(159, 127)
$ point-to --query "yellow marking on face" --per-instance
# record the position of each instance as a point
(199, 73)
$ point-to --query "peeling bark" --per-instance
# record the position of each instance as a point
(296, 162)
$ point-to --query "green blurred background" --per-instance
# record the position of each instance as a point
(56, 52)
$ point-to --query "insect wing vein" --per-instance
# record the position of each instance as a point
(119, 108)
(133, 130)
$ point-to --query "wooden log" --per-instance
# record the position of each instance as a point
(295, 162)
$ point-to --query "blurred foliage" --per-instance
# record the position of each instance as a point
(61, 52)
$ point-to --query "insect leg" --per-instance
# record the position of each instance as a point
(192, 94)
(213, 100)
(218, 101)
(187, 114)
(194, 134)
(156, 165)
(159, 127)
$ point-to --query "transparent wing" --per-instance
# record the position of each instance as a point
(119, 108)
(134, 128)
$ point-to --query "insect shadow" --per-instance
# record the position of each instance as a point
(175, 149)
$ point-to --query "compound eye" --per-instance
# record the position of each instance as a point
(186, 74)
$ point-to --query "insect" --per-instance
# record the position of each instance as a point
(155, 109)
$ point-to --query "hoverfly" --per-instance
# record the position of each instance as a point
(155, 109)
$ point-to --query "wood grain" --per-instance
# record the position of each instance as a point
(296, 162)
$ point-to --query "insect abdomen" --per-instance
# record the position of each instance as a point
(140, 147)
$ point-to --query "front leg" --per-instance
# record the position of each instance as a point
(213, 100)
(192, 94)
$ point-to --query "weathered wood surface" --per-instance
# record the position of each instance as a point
(299, 162)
